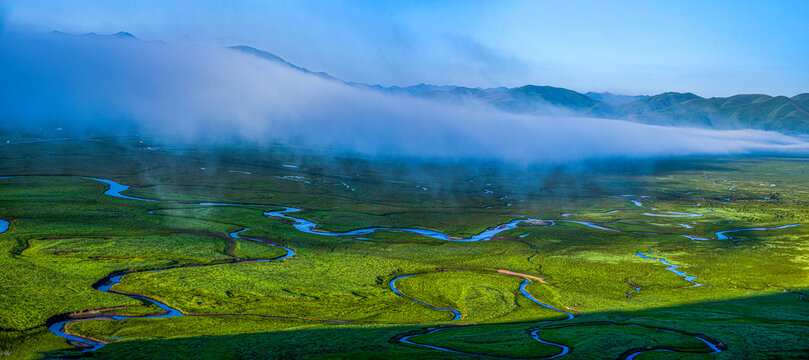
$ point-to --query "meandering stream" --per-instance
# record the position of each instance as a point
(671, 267)
(106, 285)
(115, 189)
(308, 227)
(563, 349)
(535, 333)
(714, 348)
(289, 252)
(58, 327)
(456, 314)
(720, 235)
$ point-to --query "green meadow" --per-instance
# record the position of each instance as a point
(333, 299)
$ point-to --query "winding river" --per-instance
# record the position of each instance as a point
(714, 348)
(535, 333)
(673, 214)
(456, 314)
(105, 285)
(58, 327)
(115, 189)
(563, 349)
(308, 227)
(720, 235)
(289, 252)
(671, 267)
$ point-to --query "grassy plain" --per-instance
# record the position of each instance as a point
(66, 235)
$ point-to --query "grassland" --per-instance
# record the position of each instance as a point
(66, 235)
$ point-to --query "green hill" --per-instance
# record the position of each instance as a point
(523, 100)
(613, 99)
(802, 99)
(531, 98)
(655, 103)
(748, 111)
(753, 111)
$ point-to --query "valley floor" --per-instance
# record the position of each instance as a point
(274, 254)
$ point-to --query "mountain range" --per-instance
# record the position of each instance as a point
(746, 111)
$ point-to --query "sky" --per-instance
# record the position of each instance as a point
(716, 48)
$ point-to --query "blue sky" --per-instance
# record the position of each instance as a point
(713, 48)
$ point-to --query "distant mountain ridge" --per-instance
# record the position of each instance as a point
(746, 111)
(614, 99)
(272, 57)
(119, 35)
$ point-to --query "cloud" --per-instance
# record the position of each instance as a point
(210, 94)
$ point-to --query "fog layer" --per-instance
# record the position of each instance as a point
(210, 94)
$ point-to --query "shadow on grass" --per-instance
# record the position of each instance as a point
(767, 326)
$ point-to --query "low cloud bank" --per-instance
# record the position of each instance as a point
(201, 93)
